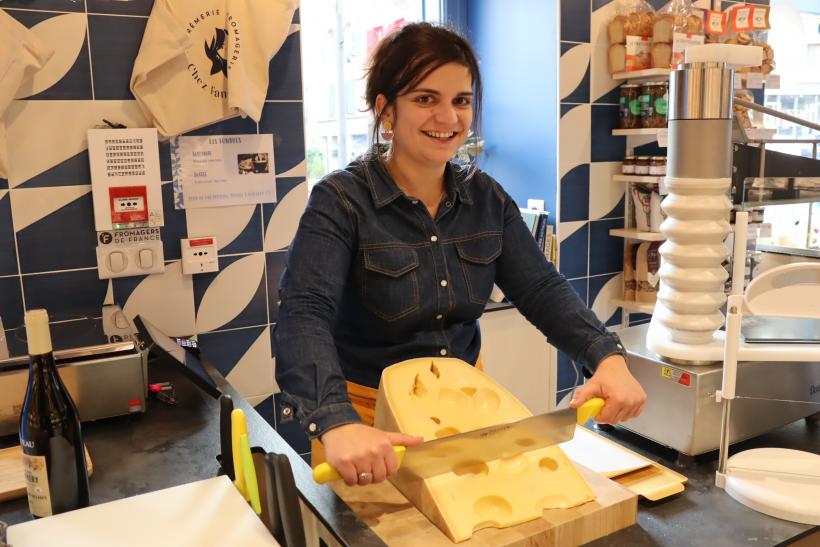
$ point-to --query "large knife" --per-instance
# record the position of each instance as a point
(486, 444)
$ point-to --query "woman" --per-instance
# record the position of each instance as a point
(396, 255)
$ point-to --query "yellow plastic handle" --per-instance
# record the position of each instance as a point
(323, 472)
(590, 409)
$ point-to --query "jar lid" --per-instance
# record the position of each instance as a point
(629, 157)
(661, 82)
(630, 85)
(656, 158)
(642, 158)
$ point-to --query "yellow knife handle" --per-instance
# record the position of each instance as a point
(590, 409)
(324, 472)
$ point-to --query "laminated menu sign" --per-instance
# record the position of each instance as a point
(223, 170)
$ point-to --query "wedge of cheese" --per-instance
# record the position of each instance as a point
(435, 398)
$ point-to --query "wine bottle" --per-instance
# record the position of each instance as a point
(50, 434)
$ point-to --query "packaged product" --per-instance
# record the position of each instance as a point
(630, 36)
(677, 26)
(629, 106)
(741, 112)
(746, 25)
(630, 251)
(647, 264)
(656, 214)
(641, 200)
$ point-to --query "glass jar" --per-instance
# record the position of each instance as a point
(629, 106)
(654, 101)
(628, 166)
(657, 166)
(642, 165)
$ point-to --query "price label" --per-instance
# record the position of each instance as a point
(773, 81)
(754, 80)
(742, 19)
(663, 137)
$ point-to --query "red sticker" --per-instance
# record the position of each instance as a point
(200, 242)
(128, 203)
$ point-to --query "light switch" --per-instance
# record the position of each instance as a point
(116, 261)
(146, 258)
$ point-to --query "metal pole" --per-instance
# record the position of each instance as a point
(814, 151)
(777, 114)
(762, 168)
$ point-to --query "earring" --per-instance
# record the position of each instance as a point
(387, 131)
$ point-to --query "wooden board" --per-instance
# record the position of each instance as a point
(12, 479)
(398, 523)
(653, 482)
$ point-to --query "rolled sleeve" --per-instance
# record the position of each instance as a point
(307, 362)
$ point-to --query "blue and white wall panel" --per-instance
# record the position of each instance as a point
(47, 237)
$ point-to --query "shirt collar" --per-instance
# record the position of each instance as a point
(384, 190)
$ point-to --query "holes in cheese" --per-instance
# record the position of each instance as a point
(452, 397)
(474, 467)
(486, 400)
(470, 391)
(492, 507)
(435, 420)
(525, 442)
(446, 432)
(434, 370)
(548, 464)
(419, 389)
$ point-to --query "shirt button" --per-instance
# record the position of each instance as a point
(433, 238)
(312, 428)
(443, 282)
(439, 317)
(286, 411)
(449, 204)
(415, 202)
(443, 351)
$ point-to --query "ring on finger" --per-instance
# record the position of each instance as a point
(364, 477)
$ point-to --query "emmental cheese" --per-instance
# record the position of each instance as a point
(435, 398)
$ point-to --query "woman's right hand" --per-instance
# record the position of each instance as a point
(353, 449)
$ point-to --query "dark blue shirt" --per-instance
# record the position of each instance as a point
(372, 279)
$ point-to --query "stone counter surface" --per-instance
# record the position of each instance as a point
(169, 446)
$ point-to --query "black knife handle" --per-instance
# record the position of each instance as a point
(288, 499)
(225, 442)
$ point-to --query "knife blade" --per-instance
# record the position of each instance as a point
(485, 444)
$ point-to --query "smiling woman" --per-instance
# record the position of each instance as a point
(396, 256)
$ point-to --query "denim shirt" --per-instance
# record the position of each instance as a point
(372, 279)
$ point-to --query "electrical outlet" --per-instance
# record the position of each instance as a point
(199, 255)
(125, 259)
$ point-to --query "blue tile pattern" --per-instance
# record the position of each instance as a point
(57, 251)
(608, 256)
(581, 93)
(575, 20)
(574, 257)
(575, 194)
(11, 302)
(606, 147)
(8, 257)
(63, 240)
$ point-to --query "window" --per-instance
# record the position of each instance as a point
(337, 37)
(795, 38)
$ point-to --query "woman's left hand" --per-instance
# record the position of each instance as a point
(614, 383)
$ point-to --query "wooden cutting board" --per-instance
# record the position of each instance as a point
(12, 479)
(398, 523)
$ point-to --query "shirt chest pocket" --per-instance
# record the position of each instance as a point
(390, 285)
(477, 257)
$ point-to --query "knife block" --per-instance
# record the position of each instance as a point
(435, 398)
(281, 511)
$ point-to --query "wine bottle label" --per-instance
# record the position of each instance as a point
(39, 497)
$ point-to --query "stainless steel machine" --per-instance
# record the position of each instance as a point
(681, 411)
(102, 361)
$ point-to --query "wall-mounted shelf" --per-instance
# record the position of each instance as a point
(646, 74)
(643, 179)
(637, 234)
(632, 306)
(653, 131)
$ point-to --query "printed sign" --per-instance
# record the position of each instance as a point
(222, 170)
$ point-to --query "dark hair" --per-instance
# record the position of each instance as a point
(407, 56)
